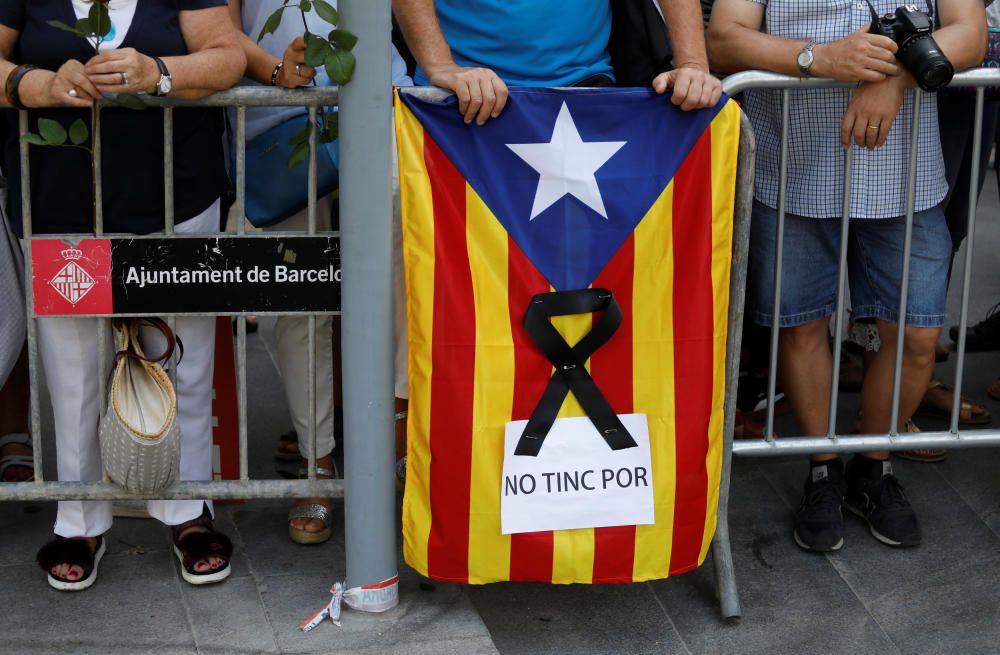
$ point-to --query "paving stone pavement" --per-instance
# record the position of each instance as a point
(943, 596)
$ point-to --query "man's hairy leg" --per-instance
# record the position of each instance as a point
(918, 365)
(805, 366)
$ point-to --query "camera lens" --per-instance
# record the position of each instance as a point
(935, 75)
(922, 57)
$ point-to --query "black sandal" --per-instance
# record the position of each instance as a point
(74, 551)
(200, 545)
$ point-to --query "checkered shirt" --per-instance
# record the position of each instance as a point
(815, 156)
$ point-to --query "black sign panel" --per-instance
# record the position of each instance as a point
(225, 274)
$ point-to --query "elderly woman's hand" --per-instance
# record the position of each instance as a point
(67, 86)
(123, 71)
(294, 73)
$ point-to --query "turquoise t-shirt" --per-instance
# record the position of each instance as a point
(529, 42)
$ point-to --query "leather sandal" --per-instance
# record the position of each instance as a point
(16, 461)
(198, 546)
(74, 551)
(967, 413)
(312, 511)
(925, 455)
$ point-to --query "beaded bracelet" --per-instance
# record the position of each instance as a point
(12, 88)
(274, 73)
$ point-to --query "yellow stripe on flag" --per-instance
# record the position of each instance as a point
(489, 551)
(573, 550)
(418, 252)
(653, 378)
(725, 145)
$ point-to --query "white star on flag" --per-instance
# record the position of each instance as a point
(567, 165)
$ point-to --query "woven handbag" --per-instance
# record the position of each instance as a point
(139, 435)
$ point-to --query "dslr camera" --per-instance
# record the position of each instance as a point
(911, 29)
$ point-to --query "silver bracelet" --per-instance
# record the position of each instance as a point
(274, 73)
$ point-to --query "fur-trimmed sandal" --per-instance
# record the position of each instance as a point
(198, 546)
(73, 551)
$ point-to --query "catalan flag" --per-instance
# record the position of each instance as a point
(567, 189)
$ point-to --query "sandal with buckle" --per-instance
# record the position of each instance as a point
(198, 546)
(73, 551)
(312, 511)
(16, 461)
(925, 455)
(969, 413)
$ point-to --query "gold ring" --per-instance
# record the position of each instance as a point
(873, 127)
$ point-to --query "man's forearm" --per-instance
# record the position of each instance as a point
(687, 32)
(736, 48)
(418, 20)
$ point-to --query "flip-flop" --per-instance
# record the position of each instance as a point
(73, 551)
(965, 414)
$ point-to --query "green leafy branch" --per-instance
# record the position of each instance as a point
(96, 26)
(332, 52)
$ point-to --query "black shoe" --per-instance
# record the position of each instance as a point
(984, 335)
(819, 521)
(880, 501)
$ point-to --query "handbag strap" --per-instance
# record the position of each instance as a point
(133, 346)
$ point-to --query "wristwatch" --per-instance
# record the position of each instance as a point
(805, 59)
(166, 83)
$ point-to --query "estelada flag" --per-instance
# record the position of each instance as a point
(567, 189)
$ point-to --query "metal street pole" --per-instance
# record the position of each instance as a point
(365, 222)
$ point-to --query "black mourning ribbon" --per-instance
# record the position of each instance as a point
(570, 363)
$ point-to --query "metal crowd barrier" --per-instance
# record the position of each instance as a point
(365, 209)
(833, 442)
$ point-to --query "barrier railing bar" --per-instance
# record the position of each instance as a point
(34, 410)
(911, 194)
(241, 171)
(772, 373)
(739, 82)
(168, 170)
(311, 196)
(838, 317)
(865, 442)
(182, 490)
(311, 339)
(722, 557)
(241, 393)
(963, 321)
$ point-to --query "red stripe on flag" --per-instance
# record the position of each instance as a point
(611, 368)
(530, 552)
(693, 353)
(453, 359)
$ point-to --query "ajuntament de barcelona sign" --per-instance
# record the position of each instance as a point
(185, 275)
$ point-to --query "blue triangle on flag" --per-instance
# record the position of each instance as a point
(569, 242)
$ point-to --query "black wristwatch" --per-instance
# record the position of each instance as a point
(166, 83)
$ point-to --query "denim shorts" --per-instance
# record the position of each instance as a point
(874, 268)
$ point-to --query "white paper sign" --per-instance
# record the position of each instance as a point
(576, 481)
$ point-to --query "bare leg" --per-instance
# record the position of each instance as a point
(918, 365)
(805, 365)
